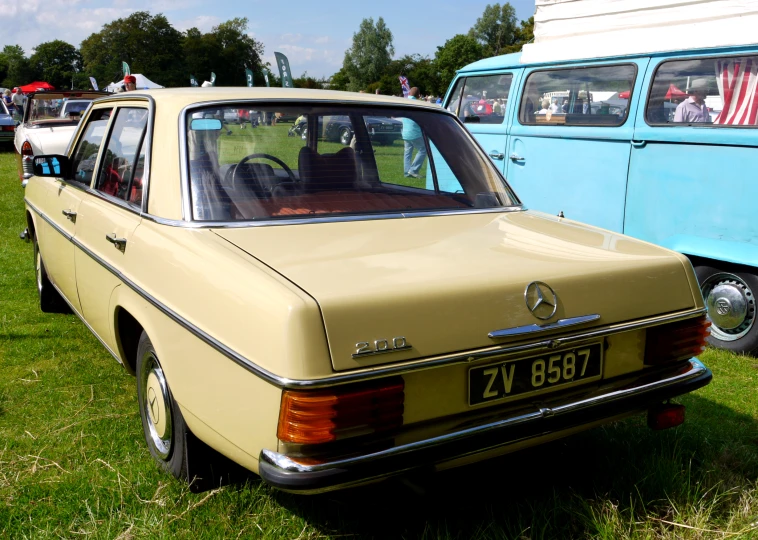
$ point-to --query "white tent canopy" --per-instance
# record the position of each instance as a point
(143, 83)
(572, 29)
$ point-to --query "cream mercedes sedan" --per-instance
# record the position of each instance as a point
(329, 315)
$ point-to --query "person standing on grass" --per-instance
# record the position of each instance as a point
(413, 139)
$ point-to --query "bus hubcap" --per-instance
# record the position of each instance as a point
(731, 306)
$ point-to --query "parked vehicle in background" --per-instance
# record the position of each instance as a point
(310, 312)
(599, 140)
(7, 124)
(339, 128)
(47, 125)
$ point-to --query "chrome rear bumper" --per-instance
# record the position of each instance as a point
(631, 395)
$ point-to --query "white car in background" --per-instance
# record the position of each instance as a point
(50, 119)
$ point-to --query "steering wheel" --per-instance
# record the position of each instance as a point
(261, 156)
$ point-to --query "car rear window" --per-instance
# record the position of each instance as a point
(282, 162)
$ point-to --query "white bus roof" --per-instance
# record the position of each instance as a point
(572, 29)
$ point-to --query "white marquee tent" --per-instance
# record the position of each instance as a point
(143, 83)
(571, 29)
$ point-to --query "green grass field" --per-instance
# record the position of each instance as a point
(73, 462)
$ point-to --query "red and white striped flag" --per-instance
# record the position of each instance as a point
(737, 79)
(404, 84)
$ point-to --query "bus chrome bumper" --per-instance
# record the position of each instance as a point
(288, 474)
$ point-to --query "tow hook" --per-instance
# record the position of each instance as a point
(24, 235)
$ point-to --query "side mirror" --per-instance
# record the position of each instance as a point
(53, 165)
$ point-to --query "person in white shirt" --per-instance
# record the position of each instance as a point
(693, 109)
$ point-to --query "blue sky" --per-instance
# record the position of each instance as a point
(314, 35)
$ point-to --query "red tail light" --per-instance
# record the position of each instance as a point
(319, 416)
(26, 149)
(676, 341)
(665, 416)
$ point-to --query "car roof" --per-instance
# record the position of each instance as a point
(184, 97)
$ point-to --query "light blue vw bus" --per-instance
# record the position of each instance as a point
(657, 146)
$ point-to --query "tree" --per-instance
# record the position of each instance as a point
(524, 35)
(149, 44)
(457, 52)
(339, 81)
(56, 62)
(18, 71)
(227, 50)
(370, 54)
(306, 81)
(496, 29)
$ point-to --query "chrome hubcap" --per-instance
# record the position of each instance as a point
(38, 270)
(157, 405)
(731, 306)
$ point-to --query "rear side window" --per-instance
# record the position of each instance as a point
(589, 96)
(121, 162)
(481, 100)
(720, 92)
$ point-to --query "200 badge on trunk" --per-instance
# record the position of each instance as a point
(513, 377)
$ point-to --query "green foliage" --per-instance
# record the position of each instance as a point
(227, 50)
(18, 69)
(339, 81)
(57, 62)
(496, 29)
(370, 54)
(457, 52)
(149, 44)
(306, 81)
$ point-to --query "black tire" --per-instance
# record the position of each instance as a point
(345, 136)
(50, 301)
(173, 446)
(725, 290)
(162, 422)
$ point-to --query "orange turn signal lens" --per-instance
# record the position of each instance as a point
(319, 416)
(676, 341)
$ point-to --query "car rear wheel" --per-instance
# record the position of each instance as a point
(345, 136)
(730, 299)
(50, 301)
(162, 422)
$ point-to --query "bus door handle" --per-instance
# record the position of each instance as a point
(639, 144)
(516, 157)
(496, 155)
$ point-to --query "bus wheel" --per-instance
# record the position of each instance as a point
(731, 303)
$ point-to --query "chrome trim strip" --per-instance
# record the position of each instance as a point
(536, 328)
(75, 312)
(283, 462)
(377, 372)
(310, 220)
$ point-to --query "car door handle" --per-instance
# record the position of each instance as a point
(119, 243)
(70, 215)
(639, 144)
(496, 155)
(516, 157)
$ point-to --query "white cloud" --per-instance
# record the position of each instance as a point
(291, 38)
(204, 23)
(323, 40)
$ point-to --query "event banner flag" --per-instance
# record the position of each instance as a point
(284, 70)
(213, 79)
(193, 81)
(404, 84)
(265, 76)
(125, 68)
(94, 84)
(249, 77)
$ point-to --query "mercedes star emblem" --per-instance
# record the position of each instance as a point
(540, 300)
